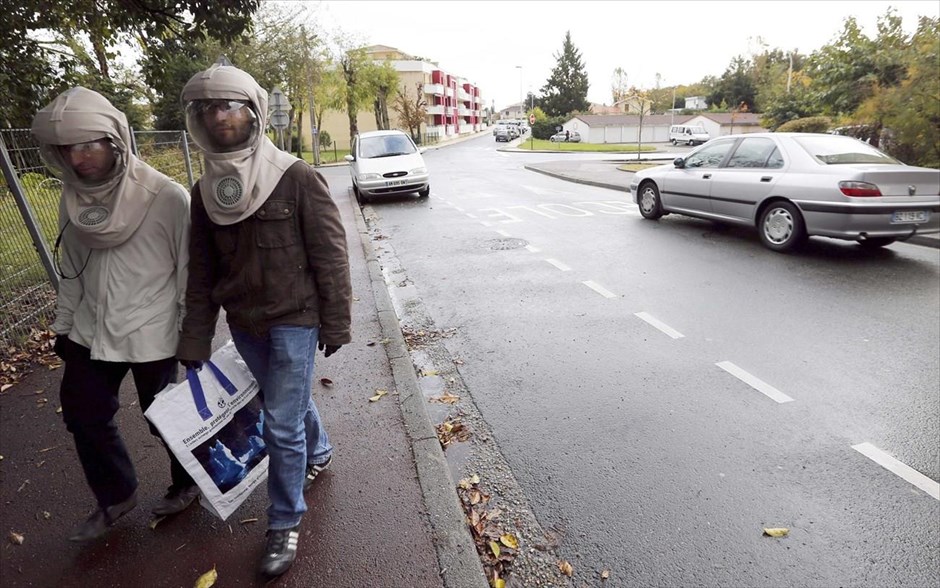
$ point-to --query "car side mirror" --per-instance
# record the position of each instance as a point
(678, 162)
(349, 158)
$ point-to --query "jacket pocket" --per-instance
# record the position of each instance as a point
(276, 227)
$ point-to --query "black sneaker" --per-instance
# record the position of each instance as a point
(102, 520)
(314, 469)
(279, 551)
(176, 500)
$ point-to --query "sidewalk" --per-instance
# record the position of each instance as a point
(604, 174)
(385, 515)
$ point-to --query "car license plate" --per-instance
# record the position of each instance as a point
(910, 216)
(394, 183)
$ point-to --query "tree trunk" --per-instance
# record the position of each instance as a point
(300, 134)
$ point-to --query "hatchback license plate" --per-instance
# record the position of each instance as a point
(394, 183)
(910, 216)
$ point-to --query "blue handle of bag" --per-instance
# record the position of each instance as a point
(199, 397)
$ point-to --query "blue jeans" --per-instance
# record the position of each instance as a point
(282, 362)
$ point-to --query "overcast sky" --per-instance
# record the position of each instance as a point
(484, 41)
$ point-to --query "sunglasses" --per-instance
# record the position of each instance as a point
(215, 106)
(91, 147)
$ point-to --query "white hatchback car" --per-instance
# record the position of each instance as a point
(385, 163)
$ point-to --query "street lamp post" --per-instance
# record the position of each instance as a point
(521, 95)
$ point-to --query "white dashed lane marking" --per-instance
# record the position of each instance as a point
(899, 468)
(503, 233)
(532, 249)
(599, 289)
(655, 322)
(754, 382)
(559, 265)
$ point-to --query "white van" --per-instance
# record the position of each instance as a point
(690, 135)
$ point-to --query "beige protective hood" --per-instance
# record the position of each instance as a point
(236, 183)
(105, 214)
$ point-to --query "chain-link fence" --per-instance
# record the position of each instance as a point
(29, 209)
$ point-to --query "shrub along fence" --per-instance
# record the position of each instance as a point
(29, 211)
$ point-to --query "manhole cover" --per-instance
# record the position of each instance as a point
(506, 244)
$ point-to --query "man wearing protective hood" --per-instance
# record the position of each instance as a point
(269, 247)
(121, 255)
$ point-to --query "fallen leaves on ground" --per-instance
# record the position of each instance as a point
(16, 538)
(446, 398)
(605, 574)
(208, 579)
(566, 568)
(326, 382)
(19, 360)
(497, 549)
(419, 338)
(452, 429)
(776, 531)
(378, 395)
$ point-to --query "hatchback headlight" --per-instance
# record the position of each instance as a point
(367, 177)
(418, 171)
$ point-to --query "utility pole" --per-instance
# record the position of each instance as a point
(521, 95)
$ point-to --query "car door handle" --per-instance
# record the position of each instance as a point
(706, 176)
(766, 178)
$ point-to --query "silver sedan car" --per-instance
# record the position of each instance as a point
(794, 185)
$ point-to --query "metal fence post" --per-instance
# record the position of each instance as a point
(189, 164)
(29, 218)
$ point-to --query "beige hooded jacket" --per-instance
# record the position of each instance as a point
(124, 242)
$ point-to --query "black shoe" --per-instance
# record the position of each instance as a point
(176, 500)
(280, 550)
(102, 519)
(314, 469)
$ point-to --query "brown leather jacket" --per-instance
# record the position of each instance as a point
(286, 264)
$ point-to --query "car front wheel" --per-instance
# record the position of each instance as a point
(781, 227)
(651, 206)
(425, 192)
(674, 142)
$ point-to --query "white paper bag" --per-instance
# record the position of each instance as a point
(212, 422)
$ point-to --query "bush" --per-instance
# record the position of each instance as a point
(325, 139)
(810, 124)
(545, 128)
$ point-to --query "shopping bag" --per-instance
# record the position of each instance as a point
(212, 422)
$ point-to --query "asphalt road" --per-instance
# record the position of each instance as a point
(661, 392)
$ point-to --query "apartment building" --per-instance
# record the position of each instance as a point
(454, 104)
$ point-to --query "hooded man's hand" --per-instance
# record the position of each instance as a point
(327, 350)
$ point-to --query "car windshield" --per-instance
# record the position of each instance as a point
(385, 146)
(836, 150)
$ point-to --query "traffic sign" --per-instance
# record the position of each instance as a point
(279, 100)
(531, 119)
(280, 119)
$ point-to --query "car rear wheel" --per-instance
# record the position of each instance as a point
(424, 193)
(674, 142)
(876, 242)
(689, 142)
(781, 227)
(651, 206)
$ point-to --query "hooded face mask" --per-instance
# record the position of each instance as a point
(226, 114)
(85, 141)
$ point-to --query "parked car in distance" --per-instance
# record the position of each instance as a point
(386, 163)
(791, 186)
(502, 134)
(562, 137)
(688, 134)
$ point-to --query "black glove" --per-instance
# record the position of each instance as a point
(327, 350)
(191, 364)
(59, 347)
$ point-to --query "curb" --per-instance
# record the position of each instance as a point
(577, 180)
(457, 557)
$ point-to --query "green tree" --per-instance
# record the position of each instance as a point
(59, 43)
(736, 85)
(566, 89)
(910, 109)
(843, 72)
(619, 85)
(382, 81)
